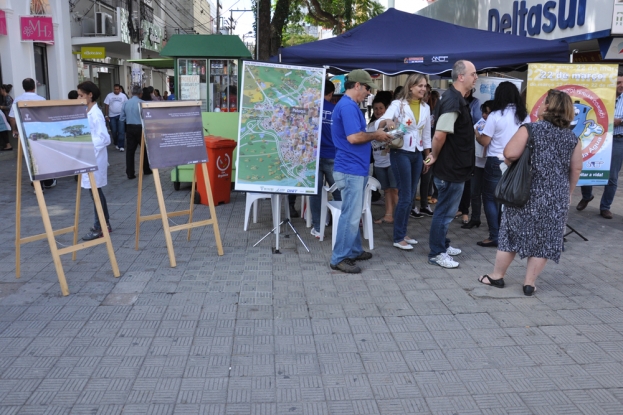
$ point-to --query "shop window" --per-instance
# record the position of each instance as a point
(223, 85)
(193, 80)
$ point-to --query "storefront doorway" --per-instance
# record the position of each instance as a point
(41, 70)
(103, 75)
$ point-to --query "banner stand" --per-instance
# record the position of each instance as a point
(51, 233)
(164, 215)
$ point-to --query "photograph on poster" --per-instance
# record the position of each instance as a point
(173, 134)
(592, 88)
(279, 128)
(56, 140)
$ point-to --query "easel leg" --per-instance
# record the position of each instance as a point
(276, 205)
(104, 225)
(217, 233)
(18, 209)
(51, 241)
(140, 193)
(165, 219)
(192, 202)
(77, 214)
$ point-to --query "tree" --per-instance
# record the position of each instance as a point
(343, 14)
(74, 130)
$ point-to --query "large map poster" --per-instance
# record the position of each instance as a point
(280, 127)
(593, 91)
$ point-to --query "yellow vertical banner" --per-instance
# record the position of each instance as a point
(592, 89)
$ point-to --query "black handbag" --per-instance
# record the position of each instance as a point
(513, 189)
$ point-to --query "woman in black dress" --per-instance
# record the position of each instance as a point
(536, 230)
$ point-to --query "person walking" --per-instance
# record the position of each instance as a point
(130, 115)
(409, 111)
(6, 101)
(452, 158)
(352, 162)
(99, 135)
(508, 113)
(112, 111)
(615, 163)
(536, 230)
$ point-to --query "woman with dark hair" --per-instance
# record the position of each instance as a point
(99, 134)
(536, 230)
(157, 96)
(410, 113)
(146, 96)
(508, 113)
(382, 165)
(6, 101)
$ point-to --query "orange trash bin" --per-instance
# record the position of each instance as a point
(220, 160)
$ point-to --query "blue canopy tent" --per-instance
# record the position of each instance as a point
(398, 42)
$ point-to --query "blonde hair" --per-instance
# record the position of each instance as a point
(560, 110)
(413, 79)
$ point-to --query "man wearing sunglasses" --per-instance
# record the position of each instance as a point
(350, 172)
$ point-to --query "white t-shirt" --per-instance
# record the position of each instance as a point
(501, 126)
(26, 96)
(115, 103)
(380, 151)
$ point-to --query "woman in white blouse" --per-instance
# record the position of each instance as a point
(99, 134)
(508, 114)
(409, 110)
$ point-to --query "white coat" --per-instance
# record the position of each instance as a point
(101, 140)
(418, 135)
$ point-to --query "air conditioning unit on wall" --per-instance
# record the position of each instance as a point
(104, 24)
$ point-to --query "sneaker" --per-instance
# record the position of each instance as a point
(443, 260)
(117, 147)
(93, 234)
(453, 251)
(121, 149)
(348, 266)
(415, 214)
(426, 211)
(364, 256)
(51, 185)
(315, 233)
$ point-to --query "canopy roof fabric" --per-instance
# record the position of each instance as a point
(396, 42)
(161, 63)
(205, 46)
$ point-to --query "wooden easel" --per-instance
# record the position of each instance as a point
(164, 215)
(50, 233)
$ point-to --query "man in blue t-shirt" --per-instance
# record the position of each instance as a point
(352, 162)
(327, 156)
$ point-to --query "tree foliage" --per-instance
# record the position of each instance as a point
(341, 15)
(75, 130)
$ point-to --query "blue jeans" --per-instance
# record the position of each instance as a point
(117, 129)
(407, 167)
(491, 176)
(325, 172)
(476, 193)
(611, 188)
(447, 203)
(348, 238)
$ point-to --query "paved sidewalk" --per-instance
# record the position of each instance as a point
(256, 333)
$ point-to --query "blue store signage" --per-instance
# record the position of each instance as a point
(525, 21)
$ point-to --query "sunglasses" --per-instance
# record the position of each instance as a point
(366, 86)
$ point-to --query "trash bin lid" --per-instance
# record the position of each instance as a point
(219, 142)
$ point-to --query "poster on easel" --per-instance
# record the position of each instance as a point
(280, 127)
(173, 134)
(56, 140)
(592, 88)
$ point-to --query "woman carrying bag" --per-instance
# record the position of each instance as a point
(410, 113)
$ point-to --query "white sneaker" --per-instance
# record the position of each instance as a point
(315, 233)
(444, 260)
(117, 147)
(121, 149)
(453, 251)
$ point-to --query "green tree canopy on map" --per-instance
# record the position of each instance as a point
(75, 130)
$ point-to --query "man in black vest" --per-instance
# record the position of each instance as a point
(452, 158)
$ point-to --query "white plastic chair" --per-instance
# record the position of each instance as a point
(336, 210)
(306, 211)
(252, 201)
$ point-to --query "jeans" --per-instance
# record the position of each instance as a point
(447, 204)
(407, 167)
(325, 172)
(611, 188)
(476, 193)
(348, 238)
(96, 224)
(117, 129)
(491, 177)
(134, 132)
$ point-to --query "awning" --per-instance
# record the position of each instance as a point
(161, 63)
(205, 46)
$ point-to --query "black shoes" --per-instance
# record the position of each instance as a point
(471, 224)
(487, 243)
(423, 212)
(494, 283)
(583, 203)
(348, 266)
(364, 256)
(293, 212)
(132, 177)
(528, 290)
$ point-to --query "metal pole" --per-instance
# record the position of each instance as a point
(218, 17)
